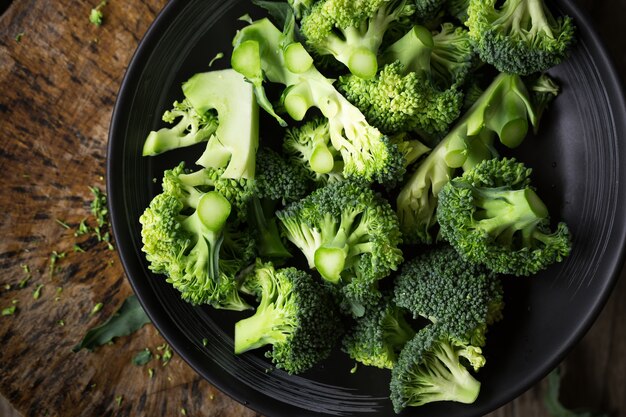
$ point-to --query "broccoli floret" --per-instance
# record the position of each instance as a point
(377, 338)
(277, 179)
(352, 31)
(191, 128)
(492, 216)
(262, 51)
(277, 183)
(519, 36)
(309, 147)
(397, 102)
(296, 316)
(350, 235)
(431, 368)
(418, 88)
(461, 298)
(503, 110)
(186, 236)
(234, 144)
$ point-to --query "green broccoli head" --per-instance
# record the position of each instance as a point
(262, 52)
(191, 128)
(296, 315)
(492, 216)
(352, 31)
(460, 297)
(348, 233)
(377, 338)
(277, 179)
(504, 110)
(186, 237)
(426, 10)
(520, 36)
(431, 367)
(309, 147)
(395, 101)
(453, 56)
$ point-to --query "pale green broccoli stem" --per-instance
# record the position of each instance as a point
(269, 242)
(450, 381)
(186, 132)
(502, 213)
(474, 356)
(307, 239)
(297, 59)
(413, 50)
(538, 18)
(397, 330)
(332, 258)
(260, 329)
(234, 144)
(212, 211)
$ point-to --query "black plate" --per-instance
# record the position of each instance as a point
(577, 161)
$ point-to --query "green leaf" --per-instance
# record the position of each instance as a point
(280, 11)
(554, 406)
(128, 319)
(142, 357)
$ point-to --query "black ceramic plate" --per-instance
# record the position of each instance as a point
(577, 160)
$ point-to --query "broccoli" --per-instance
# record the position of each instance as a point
(544, 90)
(296, 316)
(492, 216)
(426, 10)
(262, 51)
(418, 88)
(431, 368)
(232, 135)
(277, 182)
(190, 129)
(378, 336)
(458, 9)
(520, 36)
(504, 110)
(186, 236)
(352, 31)
(309, 147)
(460, 297)
(350, 235)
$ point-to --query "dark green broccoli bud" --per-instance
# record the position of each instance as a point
(349, 234)
(519, 36)
(430, 368)
(190, 129)
(504, 109)
(264, 52)
(426, 10)
(492, 216)
(277, 179)
(296, 315)
(396, 101)
(351, 31)
(186, 236)
(309, 147)
(377, 338)
(277, 182)
(460, 297)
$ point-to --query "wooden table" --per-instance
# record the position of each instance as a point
(57, 88)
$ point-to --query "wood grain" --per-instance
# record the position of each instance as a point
(57, 90)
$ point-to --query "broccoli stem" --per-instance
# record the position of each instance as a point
(538, 18)
(455, 382)
(297, 59)
(509, 211)
(413, 50)
(259, 329)
(269, 243)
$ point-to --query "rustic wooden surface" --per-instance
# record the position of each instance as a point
(57, 89)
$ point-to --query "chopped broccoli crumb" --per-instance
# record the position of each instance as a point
(96, 16)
